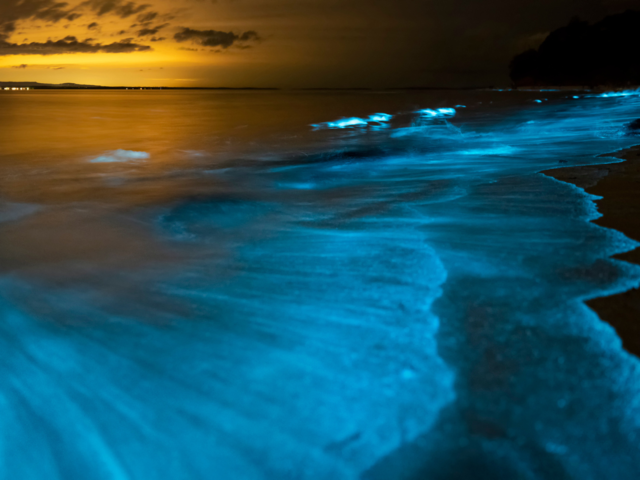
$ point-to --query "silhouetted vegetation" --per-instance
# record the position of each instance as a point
(606, 53)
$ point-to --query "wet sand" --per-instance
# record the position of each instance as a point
(619, 185)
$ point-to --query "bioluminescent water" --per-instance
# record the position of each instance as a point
(310, 285)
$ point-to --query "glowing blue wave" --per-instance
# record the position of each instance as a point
(378, 120)
(625, 93)
(362, 301)
(438, 113)
(375, 119)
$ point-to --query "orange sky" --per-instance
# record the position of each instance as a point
(279, 43)
(162, 61)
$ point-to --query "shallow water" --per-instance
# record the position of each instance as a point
(229, 285)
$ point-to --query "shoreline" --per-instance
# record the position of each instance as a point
(619, 186)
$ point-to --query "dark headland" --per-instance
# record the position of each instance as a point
(606, 53)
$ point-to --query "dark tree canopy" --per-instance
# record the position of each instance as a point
(606, 53)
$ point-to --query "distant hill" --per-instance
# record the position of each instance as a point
(44, 85)
(75, 86)
(606, 53)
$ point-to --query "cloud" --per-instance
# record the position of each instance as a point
(147, 17)
(214, 38)
(93, 26)
(151, 31)
(249, 36)
(23, 66)
(12, 11)
(120, 8)
(70, 45)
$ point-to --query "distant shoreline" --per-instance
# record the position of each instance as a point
(35, 86)
(8, 86)
(63, 86)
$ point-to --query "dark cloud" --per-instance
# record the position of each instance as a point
(214, 38)
(158, 39)
(70, 44)
(93, 26)
(73, 16)
(249, 36)
(53, 12)
(151, 31)
(147, 17)
(12, 11)
(120, 8)
(23, 66)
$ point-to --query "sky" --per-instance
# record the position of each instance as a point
(278, 43)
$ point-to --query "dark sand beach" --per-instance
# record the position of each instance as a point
(619, 185)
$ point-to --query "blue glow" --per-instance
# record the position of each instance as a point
(538, 101)
(625, 93)
(376, 118)
(315, 304)
(448, 112)
(121, 156)
(497, 150)
(438, 113)
(345, 123)
(380, 117)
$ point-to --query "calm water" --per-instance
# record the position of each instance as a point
(204, 285)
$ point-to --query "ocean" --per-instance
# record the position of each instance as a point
(310, 285)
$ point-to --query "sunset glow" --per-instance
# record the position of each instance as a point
(274, 43)
(118, 43)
